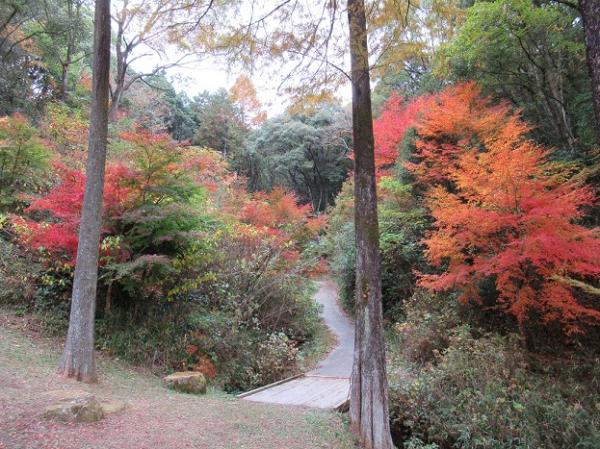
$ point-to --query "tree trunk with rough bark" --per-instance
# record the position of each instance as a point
(369, 417)
(590, 13)
(78, 357)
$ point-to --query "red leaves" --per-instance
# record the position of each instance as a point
(390, 127)
(60, 236)
(502, 210)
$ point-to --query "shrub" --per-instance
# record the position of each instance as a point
(18, 270)
(425, 333)
(23, 160)
(485, 393)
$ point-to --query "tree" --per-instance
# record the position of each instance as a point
(78, 360)
(531, 53)
(148, 27)
(390, 127)
(24, 83)
(369, 389)
(308, 154)
(590, 13)
(23, 159)
(503, 212)
(220, 122)
(243, 93)
(58, 236)
(180, 119)
(65, 39)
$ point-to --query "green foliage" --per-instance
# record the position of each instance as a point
(180, 120)
(63, 39)
(18, 271)
(220, 123)
(24, 83)
(339, 245)
(402, 225)
(23, 160)
(532, 53)
(457, 386)
(306, 154)
(231, 302)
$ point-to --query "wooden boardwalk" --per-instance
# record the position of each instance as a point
(328, 385)
(305, 391)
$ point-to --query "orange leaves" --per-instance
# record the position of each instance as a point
(502, 211)
(243, 93)
(275, 209)
(278, 218)
(457, 120)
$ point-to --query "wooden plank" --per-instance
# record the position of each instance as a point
(287, 393)
(281, 388)
(266, 387)
(329, 395)
(307, 391)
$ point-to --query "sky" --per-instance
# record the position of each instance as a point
(207, 75)
(211, 75)
(194, 78)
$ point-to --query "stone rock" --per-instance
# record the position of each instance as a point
(84, 409)
(112, 406)
(187, 382)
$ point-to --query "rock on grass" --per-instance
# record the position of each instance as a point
(84, 409)
(186, 382)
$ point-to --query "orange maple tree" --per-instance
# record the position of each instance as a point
(503, 211)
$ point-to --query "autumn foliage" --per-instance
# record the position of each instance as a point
(146, 197)
(502, 211)
(397, 116)
(59, 235)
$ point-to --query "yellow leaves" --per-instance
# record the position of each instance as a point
(307, 103)
(243, 93)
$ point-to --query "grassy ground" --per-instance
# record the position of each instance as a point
(154, 417)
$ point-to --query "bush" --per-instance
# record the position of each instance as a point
(18, 272)
(23, 160)
(481, 391)
(424, 335)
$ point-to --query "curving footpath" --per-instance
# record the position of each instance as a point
(328, 385)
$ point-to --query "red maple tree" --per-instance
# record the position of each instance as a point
(59, 236)
(398, 115)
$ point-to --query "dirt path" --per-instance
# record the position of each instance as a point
(339, 361)
(328, 385)
(155, 418)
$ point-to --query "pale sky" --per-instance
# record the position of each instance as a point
(194, 78)
(210, 75)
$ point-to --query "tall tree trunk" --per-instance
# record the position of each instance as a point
(66, 64)
(114, 104)
(369, 389)
(122, 53)
(590, 13)
(64, 80)
(78, 356)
